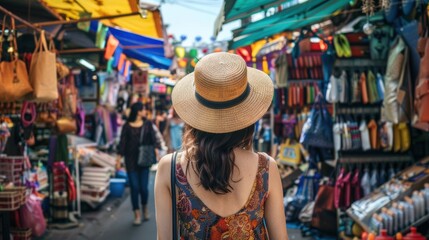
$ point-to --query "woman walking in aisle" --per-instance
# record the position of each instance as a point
(173, 133)
(130, 142)
(225, 190)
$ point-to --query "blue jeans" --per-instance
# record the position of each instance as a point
(139, 181)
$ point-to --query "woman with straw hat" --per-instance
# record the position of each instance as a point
(222, 189)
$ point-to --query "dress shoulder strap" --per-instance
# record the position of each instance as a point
(264, 169)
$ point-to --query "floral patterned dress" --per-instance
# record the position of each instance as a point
(197, 221)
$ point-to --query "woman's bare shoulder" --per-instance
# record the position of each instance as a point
(164, 166)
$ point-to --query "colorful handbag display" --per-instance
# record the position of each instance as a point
(43, 72)
(13, 75)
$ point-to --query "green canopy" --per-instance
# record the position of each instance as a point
(279, 17)
(302, 15)
(237, 9)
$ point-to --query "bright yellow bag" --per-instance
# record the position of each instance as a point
(290, 154)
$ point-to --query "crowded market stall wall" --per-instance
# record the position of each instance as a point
(369, 59)
(50, 126)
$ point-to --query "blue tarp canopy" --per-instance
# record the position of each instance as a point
(153, 54)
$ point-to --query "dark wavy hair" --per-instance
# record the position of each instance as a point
(214, 157)
(135, 109)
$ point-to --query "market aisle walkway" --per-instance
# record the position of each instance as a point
(119, 225)
(116, 224)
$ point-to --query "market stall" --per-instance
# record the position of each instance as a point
(61, 105)
(348, 126)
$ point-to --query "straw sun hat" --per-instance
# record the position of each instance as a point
(222, 95)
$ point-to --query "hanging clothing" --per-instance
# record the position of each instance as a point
(281, 71)
(365, 183)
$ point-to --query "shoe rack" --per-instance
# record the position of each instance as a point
(411, 180)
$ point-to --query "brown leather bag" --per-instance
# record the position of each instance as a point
(67, 105)
(325, 213)
(422, 87)
(43, 72)
(66, 125)
(14, 80)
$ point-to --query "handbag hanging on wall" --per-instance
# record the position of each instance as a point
(318, 132)
(396, 107)
(43, 72)
(67, 106)
(14, 80)
(422, 88)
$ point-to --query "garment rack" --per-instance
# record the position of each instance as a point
(359, 63)
(358, 110)
(304, 81)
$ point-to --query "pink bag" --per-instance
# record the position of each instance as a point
(31, 216)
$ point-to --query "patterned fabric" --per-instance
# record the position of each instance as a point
(197, 221)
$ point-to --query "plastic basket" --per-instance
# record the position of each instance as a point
(117, 187)
(13, 198)
(12, 168)
(21, 233)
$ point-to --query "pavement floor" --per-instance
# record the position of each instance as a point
(113, 221)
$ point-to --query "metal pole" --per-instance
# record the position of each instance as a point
(27, 24)
(94, 50)
(43, 24)
(83, 50)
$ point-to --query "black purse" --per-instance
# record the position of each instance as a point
(147, 154)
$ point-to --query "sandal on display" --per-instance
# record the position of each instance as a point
(337, 46)
(342, 46)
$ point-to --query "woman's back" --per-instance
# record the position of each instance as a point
(224, 189)
(235, 215)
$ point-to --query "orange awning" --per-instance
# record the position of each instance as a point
(149, 26)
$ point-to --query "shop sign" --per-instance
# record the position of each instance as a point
(140, 82)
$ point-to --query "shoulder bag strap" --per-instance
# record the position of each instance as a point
(142, 134)
(173, 195)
